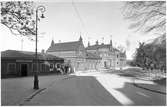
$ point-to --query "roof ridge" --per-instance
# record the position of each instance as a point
(64, 46)
(20, 51)
(66, 42)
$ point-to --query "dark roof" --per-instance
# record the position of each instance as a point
(92, 56)
(122, 54)
(66, 46)
(95, 47)
(14, 54)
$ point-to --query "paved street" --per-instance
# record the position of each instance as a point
(97, 89)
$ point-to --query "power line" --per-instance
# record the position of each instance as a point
(79, 16)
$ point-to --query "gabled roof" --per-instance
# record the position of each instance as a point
(92, 56)
(14, 54)
(66, 46)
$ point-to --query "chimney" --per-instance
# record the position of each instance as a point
(111, 43)
(43, 51)
(111, 47)
(97, 43)
(88, 43)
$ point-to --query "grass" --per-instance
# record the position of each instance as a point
(161, 81)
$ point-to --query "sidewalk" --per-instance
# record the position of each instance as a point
(139, 74)
(160, 86)
(15, 90)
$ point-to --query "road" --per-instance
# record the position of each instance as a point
(90, 89)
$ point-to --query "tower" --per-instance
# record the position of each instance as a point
(52, 43)
(80, 38)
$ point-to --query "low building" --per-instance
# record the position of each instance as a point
(22, 63)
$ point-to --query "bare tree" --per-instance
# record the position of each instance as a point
(18, 17)
(146, 16)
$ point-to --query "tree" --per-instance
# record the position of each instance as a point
(18, 17)
(140, 55)
(150, 54)
(146, 16)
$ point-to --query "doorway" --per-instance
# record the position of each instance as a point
(24, 69)
(105, 64)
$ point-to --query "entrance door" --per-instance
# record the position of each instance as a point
(105, 64)
(24, 70)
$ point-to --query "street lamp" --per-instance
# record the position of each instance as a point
(42, 9)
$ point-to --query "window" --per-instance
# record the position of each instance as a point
(117, 62)
(58, 66)
(11, 68)
(51, 67)
(117, 56)
(42, 67)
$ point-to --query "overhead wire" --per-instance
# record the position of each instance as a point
(78, 15)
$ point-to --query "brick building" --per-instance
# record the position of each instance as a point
(75, 53)
(92, 57)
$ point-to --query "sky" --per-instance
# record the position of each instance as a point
(65, 22)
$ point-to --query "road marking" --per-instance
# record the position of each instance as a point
(140, 93)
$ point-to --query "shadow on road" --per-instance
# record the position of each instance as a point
(78, 91)
(86, 90)
(143, 97)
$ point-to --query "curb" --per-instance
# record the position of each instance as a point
(149, 89)
(31, 96)
(144, 79)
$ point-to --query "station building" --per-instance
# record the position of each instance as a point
(91, 57)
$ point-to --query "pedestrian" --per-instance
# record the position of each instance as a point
(66, 69)
(58, 68)
(62, 68)
(69, 69)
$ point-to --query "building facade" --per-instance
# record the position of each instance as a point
(112, 58)
(92, 57)
(22, 63)
(75, 53)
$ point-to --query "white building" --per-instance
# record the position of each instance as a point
(111, 57)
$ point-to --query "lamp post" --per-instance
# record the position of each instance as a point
(36, 81)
